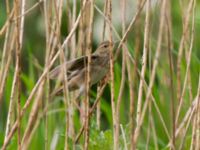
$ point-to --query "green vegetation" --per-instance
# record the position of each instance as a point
(50, 114)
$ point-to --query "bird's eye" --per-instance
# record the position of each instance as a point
(105, 46)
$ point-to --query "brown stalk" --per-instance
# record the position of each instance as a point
(194, 129)
(98, 111)
(5, 61)
(47, 60)
(155, 63)
(92, 110)
(134, 74)
(10, 116)
(144, 61)
(115, 133)
(16, 81)
(122, 84)
(88, 51)
(74, 54)
(8, 21)
(33, 117)
(42, 77)
(188, 114)
(171, 83)
(154, 101)
(131, 92)
(148, 132)
(180, 51)
(188, 63)
(59, 10)
(181, 94)
(152, 124)
(19, 33)
(133, 21)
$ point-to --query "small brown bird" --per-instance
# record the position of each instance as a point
(77, 69)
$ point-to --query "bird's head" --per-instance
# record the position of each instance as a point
(104, 47)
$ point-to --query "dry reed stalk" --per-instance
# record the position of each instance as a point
(20, 7)
(171, 68)
(153, 131)
(151, 127)
(181, 146)
(66, 98)
(127, 31)
(8, 21)
(188, 66)
(28, 10)
(88, 51)
(10, 116)
(148, 134)
(114, 117)
(124, 137)
(131, 93)
(144, 60)
(122, 84)
(180, 51)
(73, 55)
(153, 99)
(155, 63)
(33, 117)
(133, 88)
(194, 122)
(34, 113)
(17, 40)
(5, 65)
(133, 21)
(58, 11)
(190, 112)
(98, 111)
(47, 60)
(98, 98)
(124, 37)
(73, 41)
(42, 77)
(6, 55)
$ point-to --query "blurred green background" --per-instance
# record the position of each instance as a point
(33, 57)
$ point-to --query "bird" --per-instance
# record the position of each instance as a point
(77, 69)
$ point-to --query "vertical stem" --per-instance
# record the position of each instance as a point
(171, 85)
(47, 59)
(144, 62)
(180, 51)
(122, 74)
(115, 137)
(133, 76)
(88, 46)
(155, 63)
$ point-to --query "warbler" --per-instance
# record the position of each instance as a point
(77, 69)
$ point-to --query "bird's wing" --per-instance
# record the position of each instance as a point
(71, 66)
